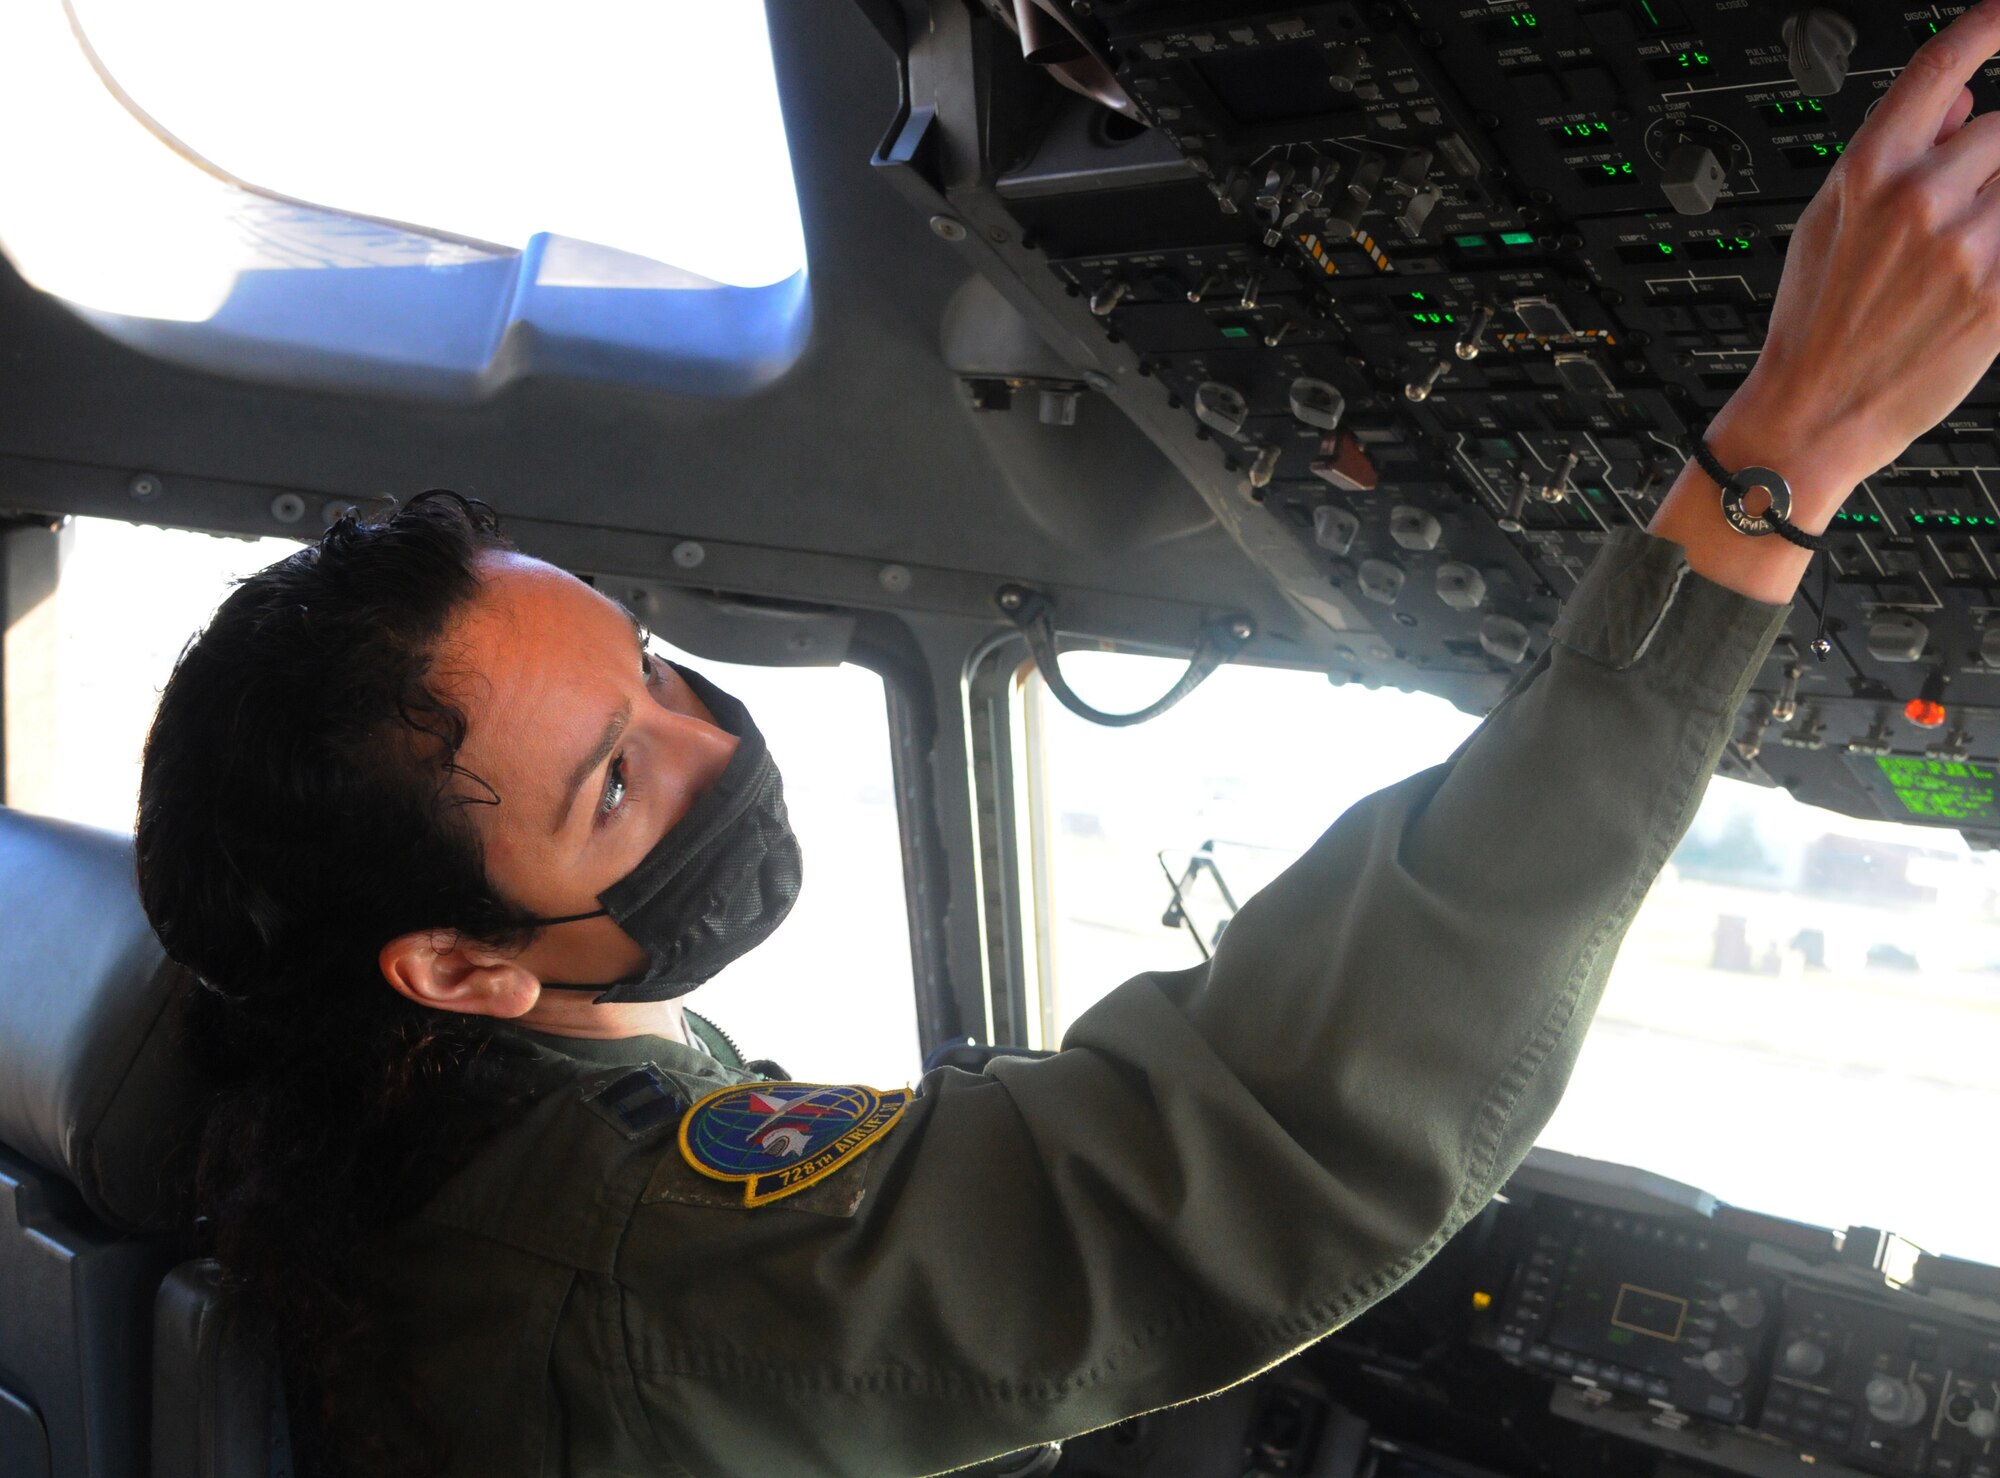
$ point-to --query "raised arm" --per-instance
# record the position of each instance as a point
(1225, 1164)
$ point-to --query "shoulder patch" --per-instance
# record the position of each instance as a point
(636, 1101)
(776, 1139)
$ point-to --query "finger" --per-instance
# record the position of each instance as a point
(1914, 109)
(1962, 164)
(1955, 119)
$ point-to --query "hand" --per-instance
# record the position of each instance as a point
(1888, 311)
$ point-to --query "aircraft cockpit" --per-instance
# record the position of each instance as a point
(1103, 441)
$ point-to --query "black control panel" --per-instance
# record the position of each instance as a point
(1893, 1389)
(1783, 1336)
(1597, 1321)
(1638, 1304)
(1434, 294)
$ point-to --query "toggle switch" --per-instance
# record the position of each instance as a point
(1220, 407)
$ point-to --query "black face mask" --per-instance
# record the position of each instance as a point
(721, 879)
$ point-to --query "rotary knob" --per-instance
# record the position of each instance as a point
(1896, 1403)
(1983, 1424)
(1693, 179)
(1728, 1366)
(1805, 1357)
(1744, 1306)
(1818, 42)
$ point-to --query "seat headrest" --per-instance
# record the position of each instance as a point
(93, 1085)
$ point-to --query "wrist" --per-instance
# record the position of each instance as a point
(1822, 464)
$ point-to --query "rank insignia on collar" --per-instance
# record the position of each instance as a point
(636, 1101)
(777, 1138)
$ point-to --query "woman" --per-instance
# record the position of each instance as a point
(447, 846)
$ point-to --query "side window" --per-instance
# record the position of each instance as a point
(829, 995)
(1801, 992)
(1214, 797)
(113, 605)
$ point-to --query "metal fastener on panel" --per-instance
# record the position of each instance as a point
(288, 508)
(1242, 628)
(948, 228)
(689, 555)
(145, 486)
(1010, 598)
(894, 578)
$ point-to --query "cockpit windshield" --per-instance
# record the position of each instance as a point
(1804, 1018)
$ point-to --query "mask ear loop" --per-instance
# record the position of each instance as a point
(570, 918)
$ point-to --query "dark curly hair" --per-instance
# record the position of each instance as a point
(301, 805)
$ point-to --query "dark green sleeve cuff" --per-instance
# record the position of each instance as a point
(1640, 602)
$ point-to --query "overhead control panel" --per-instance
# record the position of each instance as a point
(1428, 297)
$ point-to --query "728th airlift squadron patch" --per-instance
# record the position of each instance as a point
(777, 1138)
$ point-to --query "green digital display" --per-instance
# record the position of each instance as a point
(1468, 243)
(1430, 320)
(1805, 156)
(1791, 110)
(1953, 521)
(1588, 129)
(1519, 24)
(1517, 238)
(1603, 172)
(1848, 518)
(1690, 63)
(1939, 790)
(1235, 331)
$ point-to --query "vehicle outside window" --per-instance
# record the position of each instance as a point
(829, 996)
(1803, 1020)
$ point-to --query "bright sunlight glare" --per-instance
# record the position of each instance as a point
(598, 123)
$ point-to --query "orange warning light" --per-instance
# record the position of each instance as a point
(1925, 713)
(1482, 1300)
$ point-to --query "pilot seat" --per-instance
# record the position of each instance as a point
(116, 1359)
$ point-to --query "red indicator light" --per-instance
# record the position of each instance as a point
(1925, 713)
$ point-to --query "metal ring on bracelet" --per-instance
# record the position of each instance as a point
(1738, 488)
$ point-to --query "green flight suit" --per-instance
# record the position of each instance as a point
(1221, 1165)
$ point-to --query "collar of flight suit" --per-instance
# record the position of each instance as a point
(705, 1047)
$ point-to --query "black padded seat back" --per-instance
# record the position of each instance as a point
(75, 1331)
(92, 1085)
(97, 1109)
(217, 1411)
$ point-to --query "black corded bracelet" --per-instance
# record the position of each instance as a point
(1774, 520)
(1736, 485)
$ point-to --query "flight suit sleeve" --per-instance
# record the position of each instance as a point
(1222, 1164)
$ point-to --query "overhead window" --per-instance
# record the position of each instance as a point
(389, 194)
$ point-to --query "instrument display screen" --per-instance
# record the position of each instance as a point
(1629, 1304)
